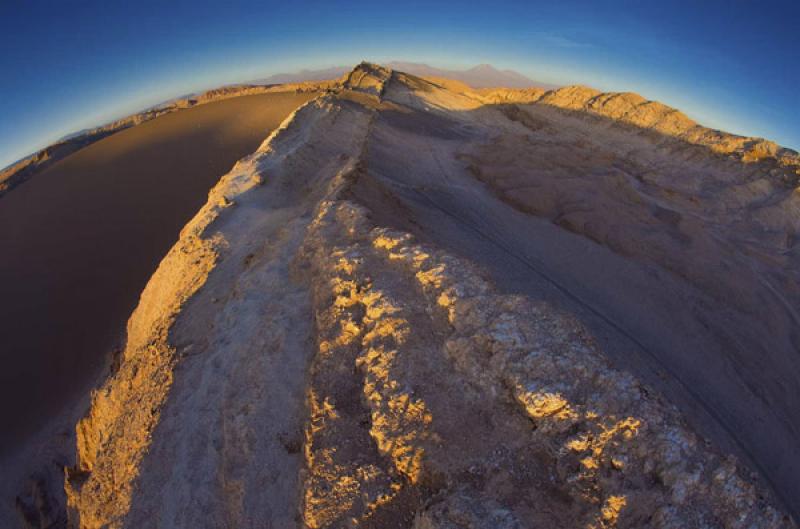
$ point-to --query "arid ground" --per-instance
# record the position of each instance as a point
(81, 239)
(417, 305)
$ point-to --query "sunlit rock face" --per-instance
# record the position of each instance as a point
(356, 329)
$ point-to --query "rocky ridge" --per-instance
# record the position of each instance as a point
(431, 398)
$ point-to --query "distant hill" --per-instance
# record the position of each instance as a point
(481, 76)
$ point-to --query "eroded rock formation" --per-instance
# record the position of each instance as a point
(303, 358)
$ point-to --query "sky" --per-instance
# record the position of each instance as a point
(68, 65)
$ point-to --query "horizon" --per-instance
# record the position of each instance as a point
(80, 65)
(155, 104)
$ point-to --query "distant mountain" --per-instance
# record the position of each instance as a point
(481, 76)
(306, 75)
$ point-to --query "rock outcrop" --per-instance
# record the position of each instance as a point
(309, 354)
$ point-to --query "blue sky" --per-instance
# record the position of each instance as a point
(68, 65)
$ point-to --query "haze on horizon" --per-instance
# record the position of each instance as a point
(73, 65)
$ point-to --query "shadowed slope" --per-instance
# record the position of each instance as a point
(80, 240)
(18, 172)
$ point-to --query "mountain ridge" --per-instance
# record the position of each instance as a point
(357, 211)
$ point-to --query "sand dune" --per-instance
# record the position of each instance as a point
(18, 172)
(81, 239)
